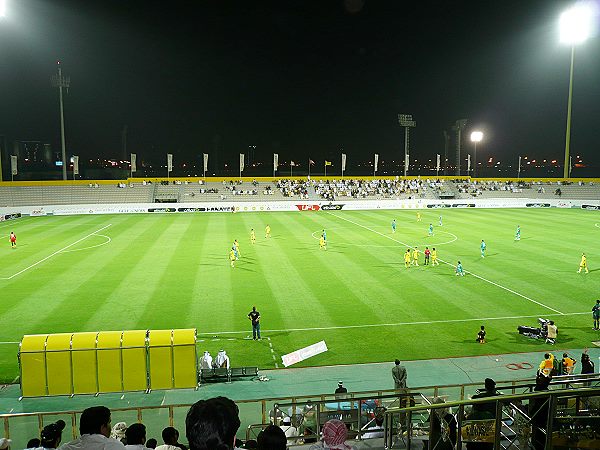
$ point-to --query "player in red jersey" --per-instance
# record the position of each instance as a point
(13, 239)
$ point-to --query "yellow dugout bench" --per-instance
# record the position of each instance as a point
(107, 361)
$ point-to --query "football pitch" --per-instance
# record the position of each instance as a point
(161, 271)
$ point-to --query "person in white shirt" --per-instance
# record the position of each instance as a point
(135, 436)
(94, 430)
(289, 430)
(222, 359)
(207, 361)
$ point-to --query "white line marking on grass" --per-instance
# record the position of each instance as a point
(445, 262)
(9, 342)
(376, 325)
(597, 225)
(91, 246)
(273, 353)
(55, 253)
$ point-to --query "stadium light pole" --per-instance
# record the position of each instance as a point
(62, 82)
(406, 121)
(575, 27)
(476, 136)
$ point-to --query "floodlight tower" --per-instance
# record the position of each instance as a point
(62, 82)
(575, 28)
(476, 136)
(459, 125)
(406, 121)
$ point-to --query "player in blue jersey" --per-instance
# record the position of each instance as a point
(459, 270)
(483, 247)
(518, 234)
(430, 229)
(394, 226)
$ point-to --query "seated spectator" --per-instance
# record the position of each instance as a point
(151, 443)
(334, 436)
(289, 430)
(212, 424)
(250, 444)
(485, 410)
(118, 431)
(33, 443)
(135, 435)
(94, 430)
(443, 427)
(207, 360)
(375, 431)
(222, 360)
(170, 437)
(52, 434)
(272, 438)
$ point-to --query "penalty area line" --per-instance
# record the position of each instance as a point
(452, 265)
(398, 324)
(55, 253)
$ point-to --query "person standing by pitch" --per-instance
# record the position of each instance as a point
(254, 317)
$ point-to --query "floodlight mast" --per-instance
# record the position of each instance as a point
(476, 136)
(62, 82)
(575, 28)
(459, 125)
(406, 121)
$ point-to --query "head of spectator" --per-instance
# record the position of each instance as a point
(170, 436)
(212, 424)
(4, 443)
(541, 383)
(135, 434)
(441, 412)
(52, 434)
(151, 443)
(238, 443)
(251, 444)
(335, 434)
(490, 385)
(95, 420)
(33, 443)
(272, 438)
(118, 431)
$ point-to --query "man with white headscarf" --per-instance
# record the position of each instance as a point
(207, 361)
(222, 360)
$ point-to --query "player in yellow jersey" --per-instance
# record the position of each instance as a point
(267, 231)
(232, 257)
(434, 260)
(583, 264)
(407, 258)
(418, 217)
(236, 244)
(415, 255)
(252, 236)
(322, 243)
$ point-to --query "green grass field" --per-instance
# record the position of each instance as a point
(88, 273)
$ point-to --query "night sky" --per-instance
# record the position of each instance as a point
(300, 78)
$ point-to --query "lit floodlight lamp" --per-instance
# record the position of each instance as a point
(3, 8)
(476, 136)
(576, 24)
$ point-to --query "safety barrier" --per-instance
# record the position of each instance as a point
(107, 361)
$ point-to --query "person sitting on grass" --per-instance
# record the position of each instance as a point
(481, 335)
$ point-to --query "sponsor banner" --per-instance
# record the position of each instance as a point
(205, 161)
(207, 209)
(304, 353)
(11, 216)
(463, 205)
(439, 205)
(134, 162)
(332, 207)
(376, 161)
(75, 165)
(564, 205)
(169, 162)
(275, 161)
(307, 207)
(537, 205)
(591, 207)
(163, 210)
(37, 212)
(242, 162)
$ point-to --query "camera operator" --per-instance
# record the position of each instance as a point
(552, 332)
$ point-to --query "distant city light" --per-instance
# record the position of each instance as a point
(476, 136)
(3, 8)
(576, 24)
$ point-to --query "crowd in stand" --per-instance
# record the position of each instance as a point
(293, 188)
(476, 188)
(332, 189)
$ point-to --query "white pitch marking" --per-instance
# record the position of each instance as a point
(597, 225)
(376, 325)
(273, 353)
(452, 265)
(108, 239)
(55, 253)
